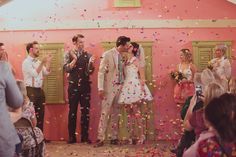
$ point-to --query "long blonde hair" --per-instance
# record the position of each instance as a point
(213, 90)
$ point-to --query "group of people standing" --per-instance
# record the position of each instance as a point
(220, 66)
(207, 108)
(120, 82)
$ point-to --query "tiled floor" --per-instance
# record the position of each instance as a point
(61, 149)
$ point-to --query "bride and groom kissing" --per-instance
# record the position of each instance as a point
(122, 83)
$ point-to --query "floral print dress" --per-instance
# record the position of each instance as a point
(211, 148)
(28, 140)
(131, 91)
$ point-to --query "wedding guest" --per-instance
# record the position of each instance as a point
(78, 63)
(220, 65)
(185, 87)
(194, 118)
(220, 139)
(201, 80)
(4, 57)
(29, 145)
(9, 96)
(34, 72)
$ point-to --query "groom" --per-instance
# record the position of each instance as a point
(110, 79)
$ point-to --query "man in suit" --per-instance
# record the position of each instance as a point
(9, 96)
(110, 79)
(78, 63)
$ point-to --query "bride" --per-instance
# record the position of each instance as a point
(135, 92)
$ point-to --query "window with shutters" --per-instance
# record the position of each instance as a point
(54, 83)
(127, 3)
(203, 52)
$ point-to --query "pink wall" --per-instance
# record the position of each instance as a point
(167, 43)
(103, 9)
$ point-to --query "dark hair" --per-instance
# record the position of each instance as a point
(220, 112)
(75, 38)
(31, 45)
(1, 44)
(135, 48)
(122, 40)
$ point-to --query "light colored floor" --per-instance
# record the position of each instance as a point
(62, 149)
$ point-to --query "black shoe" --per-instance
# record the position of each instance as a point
(99, 143)
(115, 142)
(71, 140)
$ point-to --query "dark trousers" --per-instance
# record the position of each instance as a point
(36, 95)
(78, 95)
(186, 141)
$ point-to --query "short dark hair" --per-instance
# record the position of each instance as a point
(1, 44)
(31, 45)
(122, 40)
(135, 48)
(75, 38)
(221, 113)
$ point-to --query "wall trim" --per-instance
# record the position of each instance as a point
(21, 25)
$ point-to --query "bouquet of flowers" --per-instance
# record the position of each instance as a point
(209, 65)
(177, 76)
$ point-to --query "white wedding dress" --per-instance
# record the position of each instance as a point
(131, 91)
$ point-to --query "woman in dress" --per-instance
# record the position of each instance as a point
(220, 65)
(28, 112)
(134, 92)
(220, 139)
(185, 87)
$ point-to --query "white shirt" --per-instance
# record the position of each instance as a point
(31, 77)
(221, 67)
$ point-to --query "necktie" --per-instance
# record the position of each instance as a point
(34, 60)
(120, 70)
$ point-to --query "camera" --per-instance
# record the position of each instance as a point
(198, 90)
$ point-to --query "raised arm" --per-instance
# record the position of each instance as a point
(47, 67)
(187, 125)
(68, 62)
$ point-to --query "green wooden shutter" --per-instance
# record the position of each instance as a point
(203, 52)
(127, 3)
(54, 83)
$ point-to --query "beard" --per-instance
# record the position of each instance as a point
(36, 54)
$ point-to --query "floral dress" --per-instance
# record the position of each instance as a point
(28, 140)
(184, 89)
(131, 91)
(211, 148)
